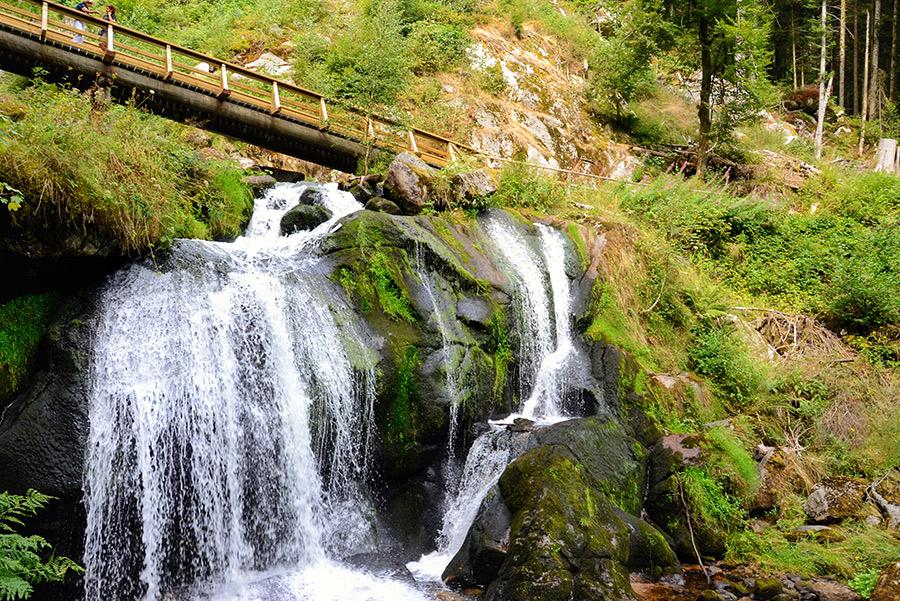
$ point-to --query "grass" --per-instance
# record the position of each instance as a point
(119, 175)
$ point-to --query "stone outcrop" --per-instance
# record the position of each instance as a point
(888, 586)
(836, 499)
(407, 183)
(303, 217)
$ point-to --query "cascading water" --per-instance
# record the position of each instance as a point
(546, 355)
(229, 429)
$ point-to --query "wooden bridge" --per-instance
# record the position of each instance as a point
(181, 84)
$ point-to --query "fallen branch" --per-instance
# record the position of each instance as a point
(691, 531)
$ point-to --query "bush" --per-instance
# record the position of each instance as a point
(521, 186)
(719, 354)
(436, 47)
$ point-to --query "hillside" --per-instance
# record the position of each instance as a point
(735, 287)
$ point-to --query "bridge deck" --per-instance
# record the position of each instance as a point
(189, 86)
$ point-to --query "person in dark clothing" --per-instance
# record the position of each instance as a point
(84, 7)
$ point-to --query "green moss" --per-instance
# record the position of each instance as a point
(709, 501)
(400, 424)
(580, 244)
(730, 460)
(502, 354)
(376, 276)
(608, 323)
(23, 323)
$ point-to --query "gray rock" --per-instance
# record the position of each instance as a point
(259, 183)
(383, 205)
(479, 559)
(407, 183)
(474, 310)
(468, 188)
(313, 195)
(303, 217)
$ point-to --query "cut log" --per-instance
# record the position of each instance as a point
(886, 157)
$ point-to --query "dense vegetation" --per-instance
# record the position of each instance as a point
(130, 178)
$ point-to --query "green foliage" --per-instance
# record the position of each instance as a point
(436, 47)
(731, 461)
(23, 322)
(121, 174)
(521, 187)
(23, 559)
(719, 354)
(622, 61)
(491, 80)
(711, 504)
(502, 353)
(864, 583)
(400, 430)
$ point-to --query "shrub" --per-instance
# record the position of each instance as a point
(521, 186)
(436, 47)
(719, 354)
(23, 560)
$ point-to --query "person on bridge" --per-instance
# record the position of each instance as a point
(84, 7)
(109, 16)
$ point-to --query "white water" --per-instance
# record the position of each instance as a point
(546, 356)
(229, 430)
(488, 457)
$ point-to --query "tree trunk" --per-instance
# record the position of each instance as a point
(856, 93)
(865, 94)
(705, 111)
(793, 49)
(842, 61)
(892, 87)
(823, 93)
(873, 66)
(886, 157)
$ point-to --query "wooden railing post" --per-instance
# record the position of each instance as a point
(225, 90)
(412, 142)
(324, 108)
(169, 67)
(370, 131)
(451, 150)
(110, 44)
(276, 98)
(45, 10)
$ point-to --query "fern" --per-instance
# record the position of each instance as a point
(21, 557)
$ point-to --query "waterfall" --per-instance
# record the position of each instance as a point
(229, 427)
(546, 357)
(545, 338)
(490, 454)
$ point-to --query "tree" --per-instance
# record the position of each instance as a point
(892, 86)
(824, 92)
(21, 561)
(874, 96)
(843, 55)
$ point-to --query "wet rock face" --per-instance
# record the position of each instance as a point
(555, 527)
(303, 217)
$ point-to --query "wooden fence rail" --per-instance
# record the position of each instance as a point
(120, 46)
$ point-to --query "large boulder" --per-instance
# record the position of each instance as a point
(407, 183)
(303, 217)
(558, 524)
(472, 186)
(836, 499)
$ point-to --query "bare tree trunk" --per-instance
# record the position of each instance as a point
(865, 96)
(823, 93)
(856, 93)
(873, 67)
(892, 87)
(886, 156)
(842, 61)
(705, 111)
(793, 49)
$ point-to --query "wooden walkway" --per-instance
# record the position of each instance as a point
(189, 86)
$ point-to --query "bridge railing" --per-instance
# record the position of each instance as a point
(121, 46)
